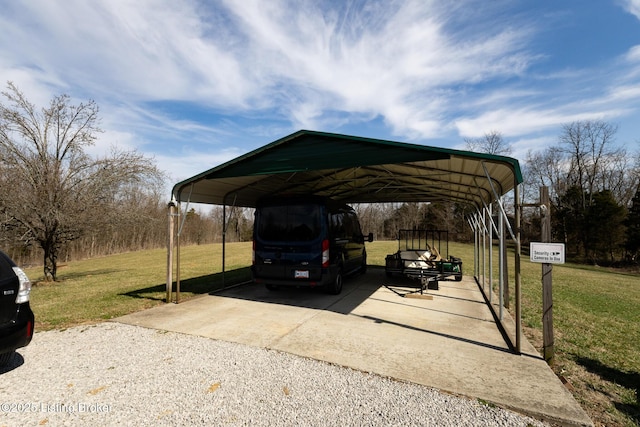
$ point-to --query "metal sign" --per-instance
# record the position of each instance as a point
(549, 253)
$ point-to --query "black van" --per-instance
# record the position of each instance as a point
(306, 241)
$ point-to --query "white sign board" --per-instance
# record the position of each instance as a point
(550, 253)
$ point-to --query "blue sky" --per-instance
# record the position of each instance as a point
(197, 83)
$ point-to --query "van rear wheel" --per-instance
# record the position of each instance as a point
(336, 287)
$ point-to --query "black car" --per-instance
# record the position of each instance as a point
(16, 317)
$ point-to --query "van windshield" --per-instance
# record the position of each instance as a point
(290, 223)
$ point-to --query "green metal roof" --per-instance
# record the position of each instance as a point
(353, 170)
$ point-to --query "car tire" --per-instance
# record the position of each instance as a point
(363, 267)
(270, 287)
(5, 358)
(336, 287)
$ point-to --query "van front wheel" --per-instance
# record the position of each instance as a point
(336, 287)
(363, 267)
(5, 358)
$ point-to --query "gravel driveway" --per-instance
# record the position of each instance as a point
(114, 374)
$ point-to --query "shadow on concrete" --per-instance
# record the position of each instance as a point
(208, 284)
(236, 284)
(354, 292)
(441, 334)
(478, 318)
(358, 289)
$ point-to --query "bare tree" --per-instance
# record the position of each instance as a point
(589, 145)
(588, 176)
(547, 168)
(53, 192)
(491, 143)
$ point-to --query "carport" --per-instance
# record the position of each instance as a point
(355, 169)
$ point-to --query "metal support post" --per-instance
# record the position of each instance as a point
(547, 280)
(490, 230)
(170, 248)
(518, 278)
(501, 263)
(484, 249)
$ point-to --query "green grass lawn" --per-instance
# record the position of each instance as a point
(93, 290)
(596, 311)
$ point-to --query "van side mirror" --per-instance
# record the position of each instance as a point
(370, 237)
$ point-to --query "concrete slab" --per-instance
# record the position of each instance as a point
(446, 339)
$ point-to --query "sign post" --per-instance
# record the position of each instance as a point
(547, 254)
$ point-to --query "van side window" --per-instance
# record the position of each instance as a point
(351, 225)
(354, 233)
(348, 228)
(356, 225)
(338, 226)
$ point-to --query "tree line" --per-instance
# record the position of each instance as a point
(59, 204)
(594, 185)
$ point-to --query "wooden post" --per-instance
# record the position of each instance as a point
(504, 265)
(505, 276)
(178, 214)
(547, 282)
(518, 272)
(170, 247)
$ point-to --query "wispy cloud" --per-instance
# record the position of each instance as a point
(632, 6)
(397, 60)
(138, 49)
(220, 78)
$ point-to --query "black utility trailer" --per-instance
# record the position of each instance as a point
(419, 257)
